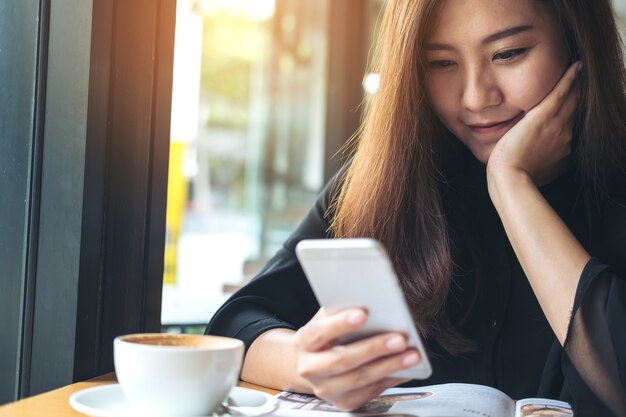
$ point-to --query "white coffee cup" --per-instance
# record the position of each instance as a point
(176, 375)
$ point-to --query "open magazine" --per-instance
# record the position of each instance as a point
(450, 400)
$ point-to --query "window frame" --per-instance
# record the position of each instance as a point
(88, 193)
(20, 130)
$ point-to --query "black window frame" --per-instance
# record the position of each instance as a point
(87, 196)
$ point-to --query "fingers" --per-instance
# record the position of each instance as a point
(323, 329)
(565, 117)
(349, 375)
(344, 358)
(561, 91)
(556, 112)
(568, 107)
(566, 114)
(352, 400)
(369, 374)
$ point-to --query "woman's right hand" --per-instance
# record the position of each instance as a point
(352, 374)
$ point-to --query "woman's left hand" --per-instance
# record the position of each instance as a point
(539, 143)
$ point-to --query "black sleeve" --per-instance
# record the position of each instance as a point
(594, 367)
(280, 295)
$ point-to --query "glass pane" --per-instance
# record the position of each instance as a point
(246, 159)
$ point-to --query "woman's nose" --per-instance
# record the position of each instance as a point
(480, 90)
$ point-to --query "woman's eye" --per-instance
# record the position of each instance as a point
(509, 54)
(441, 64)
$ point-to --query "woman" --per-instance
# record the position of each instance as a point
(491, 166)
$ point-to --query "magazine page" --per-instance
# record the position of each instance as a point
(542, 407)
(436, 400)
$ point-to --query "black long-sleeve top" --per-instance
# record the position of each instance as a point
(491, 300)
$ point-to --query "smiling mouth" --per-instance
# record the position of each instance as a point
(494, 127)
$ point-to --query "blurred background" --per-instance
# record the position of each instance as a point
(262, 91)
(254, 83)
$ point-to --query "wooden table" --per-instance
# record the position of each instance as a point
(56, 403)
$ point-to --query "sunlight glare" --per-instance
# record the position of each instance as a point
(254, 9)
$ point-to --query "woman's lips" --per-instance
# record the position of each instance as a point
(495, 127)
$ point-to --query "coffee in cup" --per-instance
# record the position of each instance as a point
(174, 374)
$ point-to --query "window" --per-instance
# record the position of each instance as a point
(85, 88)
(269, 90)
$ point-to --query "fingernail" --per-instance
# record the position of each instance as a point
(410, 359)
(395, 343)
(356, 317)
(579, 66)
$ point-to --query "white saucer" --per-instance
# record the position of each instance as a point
(109, 401)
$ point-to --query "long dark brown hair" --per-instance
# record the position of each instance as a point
(391, 190)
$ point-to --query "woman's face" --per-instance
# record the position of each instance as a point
(488, 63)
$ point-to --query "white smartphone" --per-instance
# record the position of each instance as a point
(347, 273)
